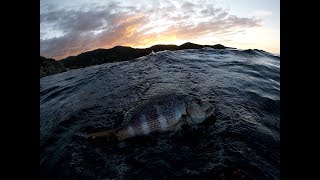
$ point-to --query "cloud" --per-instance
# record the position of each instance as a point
(67, 31)
(188, 7)
(261, 13)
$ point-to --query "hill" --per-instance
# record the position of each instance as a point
(123, 53)
(50, 67)
(115, 54)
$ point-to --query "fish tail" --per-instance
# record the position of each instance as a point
(110, 134)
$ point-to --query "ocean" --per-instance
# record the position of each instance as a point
(242, 142)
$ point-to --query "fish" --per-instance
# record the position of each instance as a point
(162, 114)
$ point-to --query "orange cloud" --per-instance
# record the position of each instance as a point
(88, 30)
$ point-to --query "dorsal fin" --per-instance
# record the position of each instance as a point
(152, 95)
(161, 89)
(128, 115)
(135, 107)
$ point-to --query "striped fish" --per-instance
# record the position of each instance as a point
(165, 113)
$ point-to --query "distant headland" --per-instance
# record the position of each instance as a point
(49, 66)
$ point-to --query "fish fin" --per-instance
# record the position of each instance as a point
(162, 90)
(176, 128)
(148, 98)
(80, 135)
(102, 134)
(129, 114)
(138, 105)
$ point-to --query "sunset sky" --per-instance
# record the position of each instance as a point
(75, 26)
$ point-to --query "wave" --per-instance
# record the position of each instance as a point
(243, 85)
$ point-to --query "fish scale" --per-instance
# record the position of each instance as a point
(151, 117)
(163, 113)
